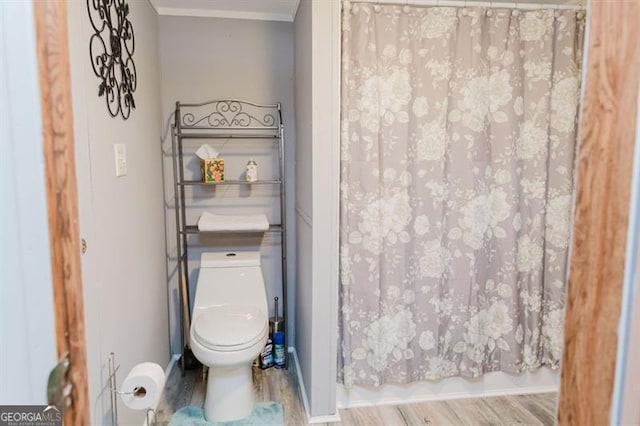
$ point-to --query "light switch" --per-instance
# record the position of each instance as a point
(121, 159)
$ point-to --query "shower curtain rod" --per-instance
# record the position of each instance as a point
(465, 3)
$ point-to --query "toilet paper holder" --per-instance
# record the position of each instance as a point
(113, 387)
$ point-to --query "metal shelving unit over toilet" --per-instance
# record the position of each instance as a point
(222, 119)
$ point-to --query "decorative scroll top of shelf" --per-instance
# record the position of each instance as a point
(230, 114)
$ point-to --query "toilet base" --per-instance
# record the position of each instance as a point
(230, 394)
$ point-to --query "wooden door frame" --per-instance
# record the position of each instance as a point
(607, 137)
(604, 176)
(62, 198)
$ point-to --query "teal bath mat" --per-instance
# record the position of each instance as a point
(263, 414)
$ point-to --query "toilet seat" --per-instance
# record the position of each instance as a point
(210, 327)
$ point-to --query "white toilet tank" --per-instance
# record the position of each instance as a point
(231, 278)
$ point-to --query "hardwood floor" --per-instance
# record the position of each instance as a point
(282, 386)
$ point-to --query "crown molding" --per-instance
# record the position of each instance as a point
(227, 14)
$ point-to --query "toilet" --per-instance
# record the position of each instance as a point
(229, 329)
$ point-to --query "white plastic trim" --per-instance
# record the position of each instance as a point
(491, 384)
(303, 395)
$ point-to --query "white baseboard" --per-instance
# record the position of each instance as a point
(303, 395)
(491, 384)
(172, 363)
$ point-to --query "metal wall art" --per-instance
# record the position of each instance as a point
(111, 48)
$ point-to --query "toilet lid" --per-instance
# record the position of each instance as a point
(230, 327)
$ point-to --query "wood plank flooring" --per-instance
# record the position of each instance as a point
(282, 386)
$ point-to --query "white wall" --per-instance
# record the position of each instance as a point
(122, 218)
(203, 59)
(27, 335)
(317, 83)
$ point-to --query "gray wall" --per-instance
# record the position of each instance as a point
(304, 206)
(202, 59)
(122, 218)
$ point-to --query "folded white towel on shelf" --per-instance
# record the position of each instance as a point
(218, 222)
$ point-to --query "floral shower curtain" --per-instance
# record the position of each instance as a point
(458, 145)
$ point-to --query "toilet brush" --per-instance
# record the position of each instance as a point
(276, 323)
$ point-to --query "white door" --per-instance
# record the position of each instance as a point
(27, 334)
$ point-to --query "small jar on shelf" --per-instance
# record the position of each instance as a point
(252, 171)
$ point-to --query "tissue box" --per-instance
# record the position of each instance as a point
(212, 170)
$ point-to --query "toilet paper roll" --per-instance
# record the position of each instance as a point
(142, 387)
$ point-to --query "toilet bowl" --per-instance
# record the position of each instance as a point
(229, 329)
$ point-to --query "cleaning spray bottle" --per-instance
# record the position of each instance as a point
(279, 350)
(276, 326)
